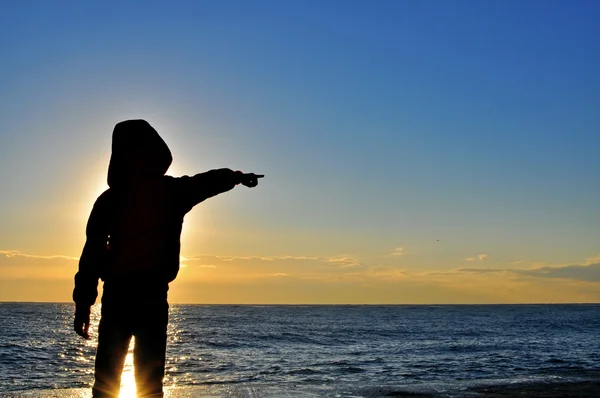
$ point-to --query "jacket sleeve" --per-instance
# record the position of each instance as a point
(193, 190)
(93, 256)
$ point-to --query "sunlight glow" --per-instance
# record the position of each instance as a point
(128, 388)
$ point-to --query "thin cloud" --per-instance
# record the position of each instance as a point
(592, 260)
(480, 270)
(344, 261)
(387, 272)
(18, 254)
(480, 257)
(243, 258)
(399, 251)
(265, 258)
(588, 273)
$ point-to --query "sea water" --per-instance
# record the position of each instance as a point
(347, 348)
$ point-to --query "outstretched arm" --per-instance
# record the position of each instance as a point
(205, 185)
(92, 258)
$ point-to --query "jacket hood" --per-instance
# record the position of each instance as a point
(137, 151)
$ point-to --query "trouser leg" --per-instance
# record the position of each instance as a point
(113, 343)
(150, 351)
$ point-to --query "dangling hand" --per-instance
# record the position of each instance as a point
(250, 179)
(82, 321)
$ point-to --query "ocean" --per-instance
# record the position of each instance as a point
(329, 350)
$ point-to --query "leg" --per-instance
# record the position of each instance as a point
(150, 350)
(113, 343)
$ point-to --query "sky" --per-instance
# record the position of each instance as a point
(415, 152)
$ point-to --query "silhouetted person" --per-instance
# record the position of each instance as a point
(133, 244)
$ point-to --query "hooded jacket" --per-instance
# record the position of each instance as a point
(133, 232)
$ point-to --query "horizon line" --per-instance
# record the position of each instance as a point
(324, 304)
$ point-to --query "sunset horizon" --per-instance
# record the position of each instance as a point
(413, 152)
(191, 288)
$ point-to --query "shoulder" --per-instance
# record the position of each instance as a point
(105, 198)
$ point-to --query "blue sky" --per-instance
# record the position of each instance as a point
(378, 124)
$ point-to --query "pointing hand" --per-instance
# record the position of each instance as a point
(251, 180)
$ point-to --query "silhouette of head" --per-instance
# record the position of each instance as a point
(137, 152)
